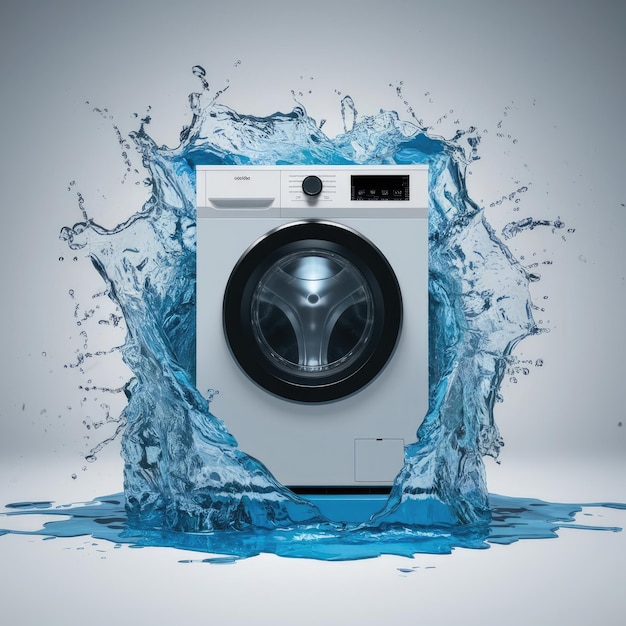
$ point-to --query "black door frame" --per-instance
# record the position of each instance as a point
(296, 237)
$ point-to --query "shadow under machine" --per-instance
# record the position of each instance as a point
(312, 316)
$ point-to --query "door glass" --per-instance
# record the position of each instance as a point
(312, 311)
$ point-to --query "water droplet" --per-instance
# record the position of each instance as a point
(200, 72)
(211, 393)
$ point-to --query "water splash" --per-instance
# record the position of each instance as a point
(105, 518)
(184, 476)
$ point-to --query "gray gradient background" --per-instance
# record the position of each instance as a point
(551, 72)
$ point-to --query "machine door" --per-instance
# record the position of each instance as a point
(312, 311)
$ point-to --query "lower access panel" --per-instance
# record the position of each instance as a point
(377, 460)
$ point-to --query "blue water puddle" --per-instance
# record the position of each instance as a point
(344, 537)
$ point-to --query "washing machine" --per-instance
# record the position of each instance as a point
(312, 317)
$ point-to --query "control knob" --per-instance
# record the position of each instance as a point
(312, 186)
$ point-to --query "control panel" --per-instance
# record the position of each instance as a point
(293, 191)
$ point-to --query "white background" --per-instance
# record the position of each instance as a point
(544, 84)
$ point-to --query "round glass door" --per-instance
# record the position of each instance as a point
(312, 312)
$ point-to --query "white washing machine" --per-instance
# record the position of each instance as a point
(312, 316)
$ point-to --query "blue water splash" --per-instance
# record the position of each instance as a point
(513, 519)
(185, 481)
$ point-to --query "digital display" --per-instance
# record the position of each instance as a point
(380, 187)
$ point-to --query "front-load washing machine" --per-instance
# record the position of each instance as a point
(312, 316)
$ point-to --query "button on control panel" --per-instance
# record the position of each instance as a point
(312, 185)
